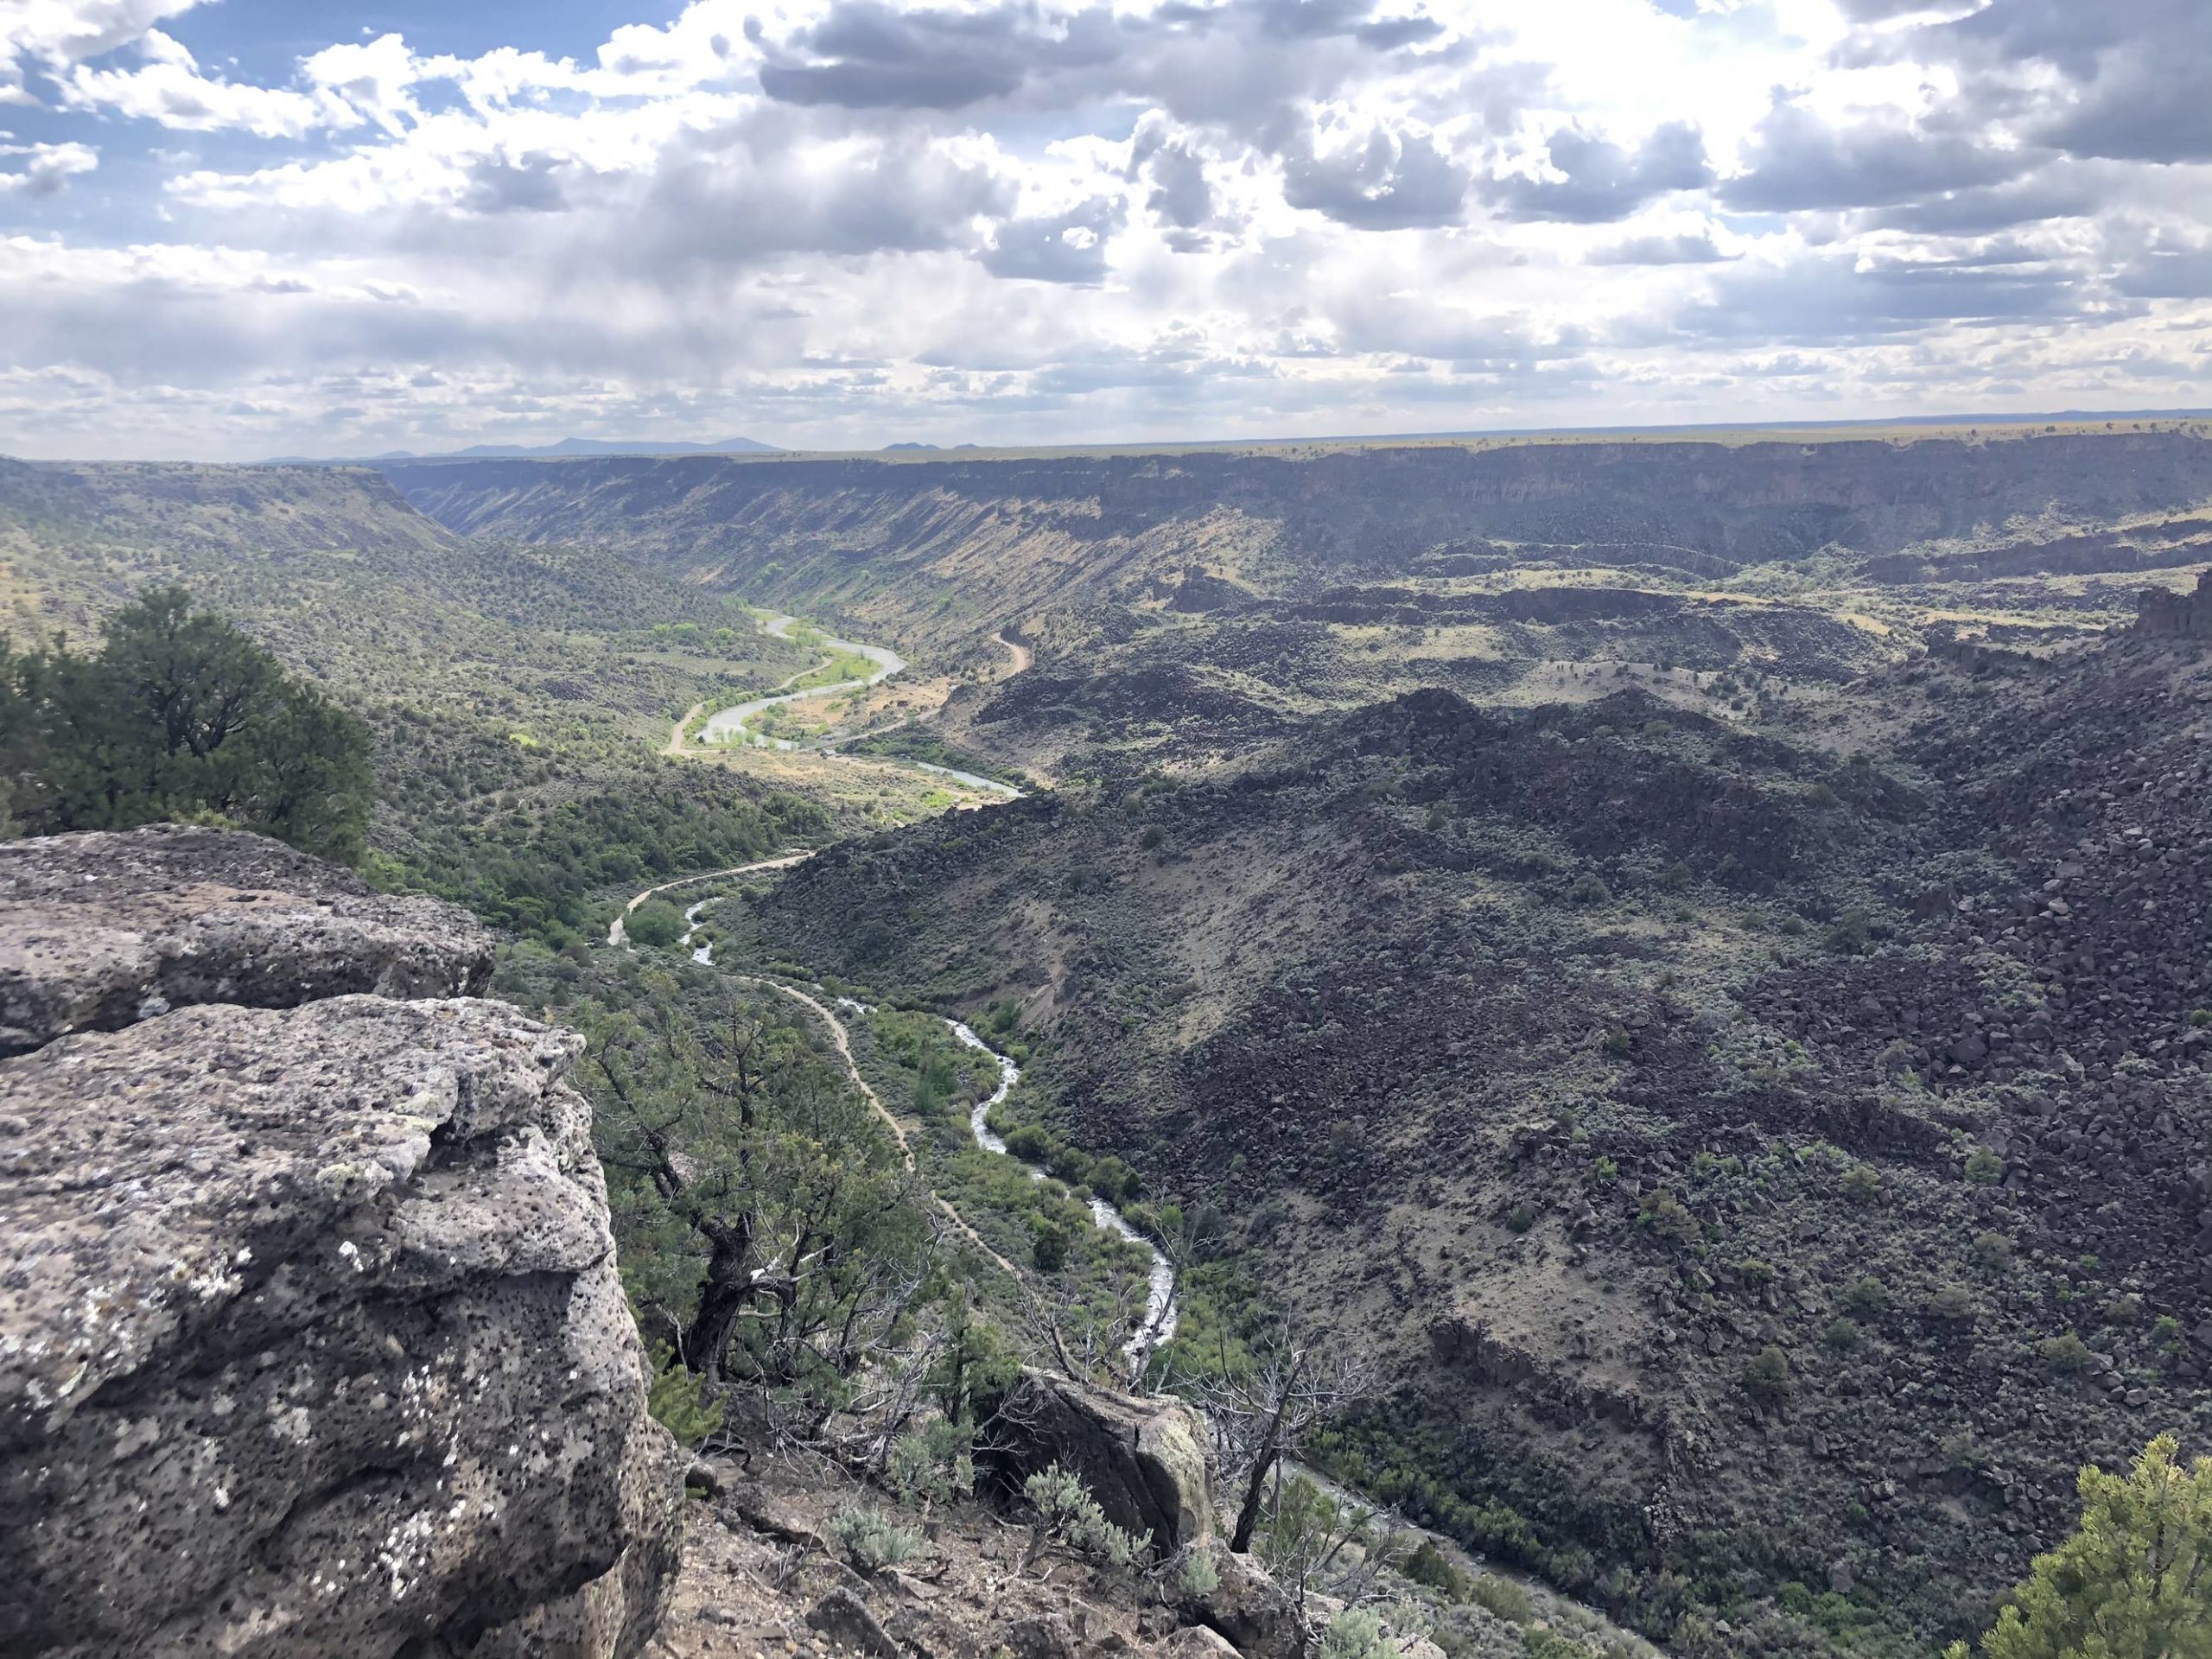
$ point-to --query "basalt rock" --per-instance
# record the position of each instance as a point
(1143, 1459)
(314, 1340)
(98, 930)
(2162, 614)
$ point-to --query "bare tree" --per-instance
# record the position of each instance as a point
(1262, 1413)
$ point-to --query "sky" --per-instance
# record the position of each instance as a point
(235, 228)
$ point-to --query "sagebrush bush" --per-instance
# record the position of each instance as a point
(1355, 1633)
(871, 1539)
(1067, 1510)
(934, 1464)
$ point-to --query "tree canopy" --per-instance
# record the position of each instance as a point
(2135, 1579)
(178, 715)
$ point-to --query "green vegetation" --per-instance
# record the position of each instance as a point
(871, 1539)
(656, 922)
(2134, 1581)
(1355, 1633)
(179, 716)
(677, 1402)
(1066, 1510)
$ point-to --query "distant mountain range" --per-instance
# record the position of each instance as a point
(565, 447)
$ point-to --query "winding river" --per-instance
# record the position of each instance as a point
(728, 725)
(1158, 1325)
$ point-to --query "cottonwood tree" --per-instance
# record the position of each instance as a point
(1261, 1408)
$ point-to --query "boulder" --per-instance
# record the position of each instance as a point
(1257, 1616)
(99, 930)
(1144, 1459)
(1197, 1642)
(844, 1618)
(315, 1344)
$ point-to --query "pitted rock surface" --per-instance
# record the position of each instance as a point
(98, 930)
(314, 1342)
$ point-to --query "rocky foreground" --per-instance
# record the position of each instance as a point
(314, 1343)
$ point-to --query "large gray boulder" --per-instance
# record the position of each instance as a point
(1144, 1459)
(99, 930)
(311, 1340)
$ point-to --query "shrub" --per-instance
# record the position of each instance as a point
(1766, 1379)
(1851, 935)
(1520, 1218)
(871, 1539)
(1355, 1634)
(1668, 1217)
(1865, 1296)
(656, 922)
(2065, 1353)
(1197, 1577)
(1503, 1597)
(674, 1398)
(1755, 1273)
(1068, 1511)
(1984, 1167)
(1842, 1336)
(1991, 1251)
(2128, 1581)
(1951, 1302)
(1427, 1566)
(935, 1464)
(2124, 1310)
(1049, 1253)
(1590, 888)
(1861, 1183)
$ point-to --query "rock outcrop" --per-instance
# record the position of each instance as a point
(1143, 1459)
(103, 929)
(2164, 615)
(314, 1339)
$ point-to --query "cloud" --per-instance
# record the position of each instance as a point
(1688, 248)
(1797, 161)
(42, 169)
(2121, 80)
(1828, 298)
(52, 34)
(1093, 219)
(1065, 247)
(1180, 196)
(342, 87)
(1601, 181)
(1387, 178)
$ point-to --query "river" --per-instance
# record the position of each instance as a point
(728, 725)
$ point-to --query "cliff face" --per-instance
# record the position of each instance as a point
(2164, 615)
(991, 539)
(314, 1343)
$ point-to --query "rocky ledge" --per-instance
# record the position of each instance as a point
(105, 930)
(313, 1337)
(2165, 615)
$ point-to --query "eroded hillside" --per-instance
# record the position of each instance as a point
(1772, 1168)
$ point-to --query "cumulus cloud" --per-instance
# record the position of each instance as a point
(1063, 247)
(43, 169)
(1599, 180)
(1798, 161)
(971, 219)
(1387, 179)
(1683, 248)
